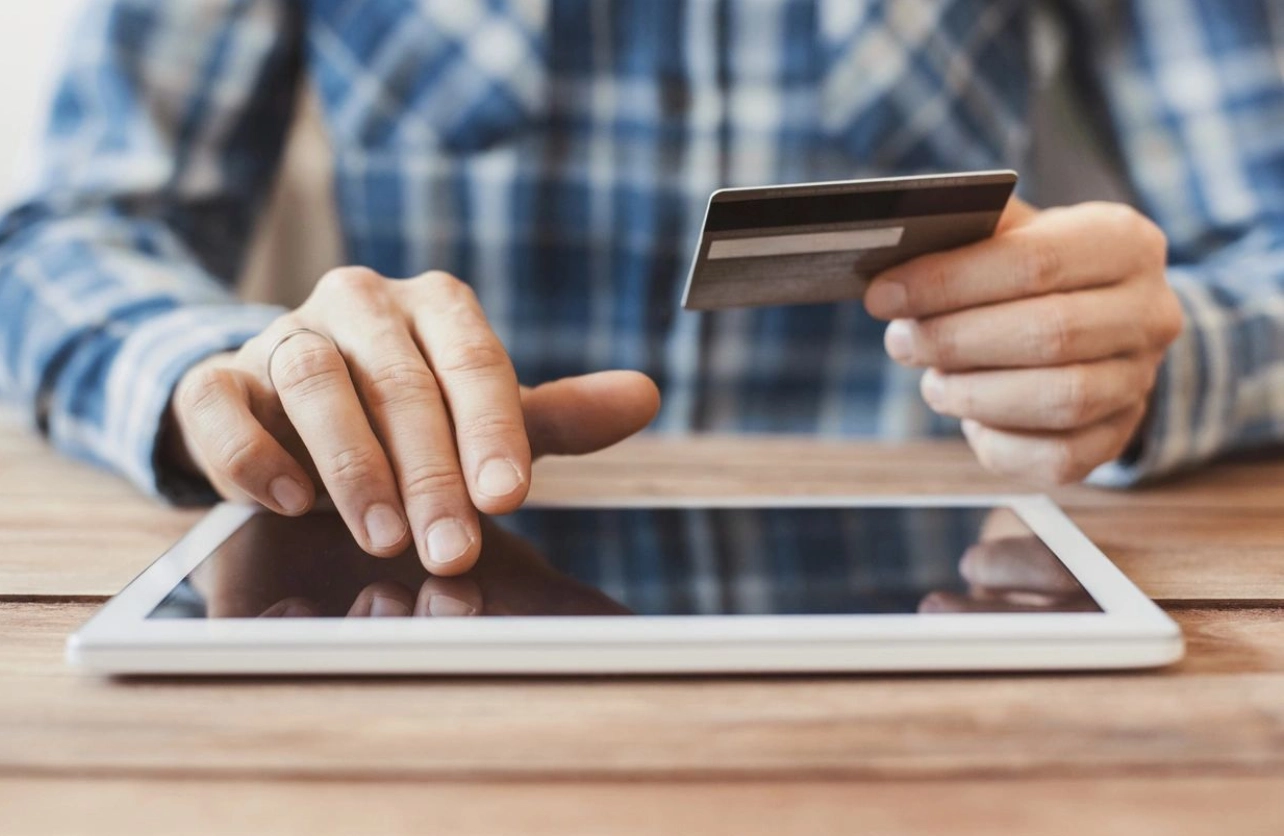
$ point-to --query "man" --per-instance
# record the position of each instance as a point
(547, 162)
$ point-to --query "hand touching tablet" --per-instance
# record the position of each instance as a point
(397, 399)
(278, 579)
(511, 578)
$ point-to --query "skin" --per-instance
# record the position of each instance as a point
(512, 578)
(1010, 570)
(1045, 339)
(409, 415)
(1011, 574)
(405, 408)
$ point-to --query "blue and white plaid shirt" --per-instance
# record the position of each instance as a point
(557, 155)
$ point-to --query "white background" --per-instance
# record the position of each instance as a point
(33, 39)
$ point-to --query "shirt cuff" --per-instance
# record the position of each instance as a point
(1167, 441)
(143, 375)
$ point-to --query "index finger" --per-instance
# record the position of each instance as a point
(1070, 248)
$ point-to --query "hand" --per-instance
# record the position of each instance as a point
(1009, 569)
(1044, 339)
(1011, 574)
(510, 578)
(310, 568)
(403, 405)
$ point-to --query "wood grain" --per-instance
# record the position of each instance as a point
(1222, 710)
(1193, 554)
(1226, 547)
(1113, 807)
(1195, 748)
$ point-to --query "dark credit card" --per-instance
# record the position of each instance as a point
(823, 242)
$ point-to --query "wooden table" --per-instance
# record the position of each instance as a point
(1197, 748)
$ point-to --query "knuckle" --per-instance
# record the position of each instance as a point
(402, 382)
(958, 395)
(258, 346)
(938, 341)
(203, 386)
(1145, 237)
(1041, 263)
(1054, 332)
(1119, 215)
(934, 289)
(490, 426)
(446, 288)
(432, 479)
(1125, 218)
(350, 281)
(308, 369)
(354, 466)
(1073, 402)
(472, 355)
(1061, 465)
(241, 458)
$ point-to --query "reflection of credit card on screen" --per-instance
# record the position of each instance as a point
(823, 242)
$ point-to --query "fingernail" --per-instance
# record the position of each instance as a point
(288, 494)
(899, 341)
(498, 478)
(444, 606)
(384, 526)
(885, 299)
(383, 606)
(448, 540)
(933, 388)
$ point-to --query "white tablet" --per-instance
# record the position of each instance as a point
(655, 586)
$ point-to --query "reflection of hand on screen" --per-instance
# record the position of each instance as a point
(292, 608)
(1000, 523)
(1011, 574)
(510, 578)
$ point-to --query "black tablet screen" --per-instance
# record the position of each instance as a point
(650, 561)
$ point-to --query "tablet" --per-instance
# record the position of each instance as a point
(652, 586)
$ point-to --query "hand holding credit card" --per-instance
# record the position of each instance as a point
(823, 242)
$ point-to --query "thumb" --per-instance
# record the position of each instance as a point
(577, 415)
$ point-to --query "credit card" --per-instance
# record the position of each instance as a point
(823, 242)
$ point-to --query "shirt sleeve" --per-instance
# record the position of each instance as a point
(116, 271)
(1195, 90)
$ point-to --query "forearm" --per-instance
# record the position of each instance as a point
(1221, 385)
(116, 275)
(101, 315)
(1194, 92)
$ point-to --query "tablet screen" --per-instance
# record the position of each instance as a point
(647, 561)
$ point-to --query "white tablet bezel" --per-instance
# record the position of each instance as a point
(1130, 631)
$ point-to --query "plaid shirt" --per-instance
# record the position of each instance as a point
(557, 155)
